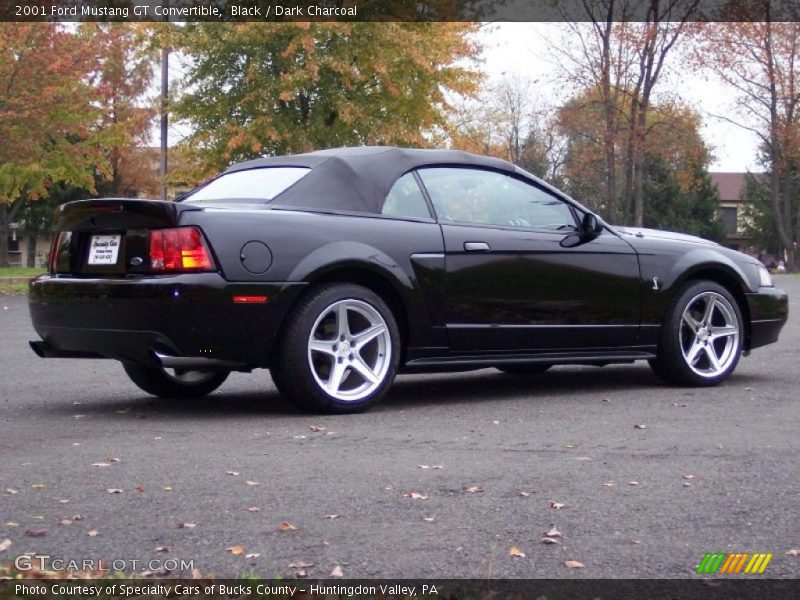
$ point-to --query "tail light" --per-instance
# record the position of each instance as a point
(177, 250)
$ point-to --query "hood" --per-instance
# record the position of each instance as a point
(657, 234)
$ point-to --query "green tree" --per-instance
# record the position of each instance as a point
(46, 116)
(258, 89)
(688, 207)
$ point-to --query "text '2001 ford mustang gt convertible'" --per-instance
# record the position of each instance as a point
(340, 268)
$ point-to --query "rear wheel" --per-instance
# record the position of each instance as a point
(701, 337)
(523, 369)
(340, 350)
(174, 383)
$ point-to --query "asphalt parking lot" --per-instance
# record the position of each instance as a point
(441, 480)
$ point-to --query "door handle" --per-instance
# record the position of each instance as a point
(476, 247)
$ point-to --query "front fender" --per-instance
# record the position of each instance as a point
(664, 272)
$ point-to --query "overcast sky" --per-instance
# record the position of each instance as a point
(523, 48)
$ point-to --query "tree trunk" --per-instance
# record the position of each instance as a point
(31, 260)
(4, 222)
(638, 169)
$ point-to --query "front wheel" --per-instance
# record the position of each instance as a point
(340, 350)
(701, 337)
(174, 383)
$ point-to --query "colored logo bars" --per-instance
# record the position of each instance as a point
(741, 562)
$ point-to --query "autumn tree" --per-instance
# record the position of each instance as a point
(121, 78)
(675, 173)
(46, 116)
(510, 120)
(261, 89)
(619, 49)
(760, 63)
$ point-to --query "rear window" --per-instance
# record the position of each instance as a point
(260, 185)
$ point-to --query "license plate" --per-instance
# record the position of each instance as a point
(104, 249)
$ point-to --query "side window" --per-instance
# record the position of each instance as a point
(405, 199)
(490, 198)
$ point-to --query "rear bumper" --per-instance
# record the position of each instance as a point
(135, 319)
(769, 310)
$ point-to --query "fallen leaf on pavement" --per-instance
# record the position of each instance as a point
(553, 533)
(252, 555)
(549, 540)
(475, 489)
(609, 484)
(688, 476)
(636, 541)
(573, 564)
(139, 489)
(252, 483)
(114, 491)
(331, 516)
(794, 552)
(516, 552)
(556, 505)
(12, 491)
(93, 533)
(415, 496)
(286, 526)
(64, 501)
(65, 522)
(337, 572)
(317, 428)
(167, 488)
(162, 549)
(633, 483)
(429, 519)
(687, 484)
(234, 473)
(35, 533)
(5, 545)
(640, 426)
(252, 509)
(300, 565)
(11, 524)
(187, 525)
(235, 550)
(101, 464)
(524, 494)
(38, 486)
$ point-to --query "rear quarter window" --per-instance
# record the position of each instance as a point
(261, 185)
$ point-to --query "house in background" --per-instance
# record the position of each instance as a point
(730, 187)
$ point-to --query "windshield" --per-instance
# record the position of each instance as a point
(253, 184)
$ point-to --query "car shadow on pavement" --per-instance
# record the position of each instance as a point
(566, 382)
(486, 385)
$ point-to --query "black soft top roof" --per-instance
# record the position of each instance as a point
(358, 179)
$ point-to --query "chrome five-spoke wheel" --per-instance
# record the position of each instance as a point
(349, 349)
(701, 337)
(709, 334)
(340, 350)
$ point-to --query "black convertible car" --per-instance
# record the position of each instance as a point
(338, 269)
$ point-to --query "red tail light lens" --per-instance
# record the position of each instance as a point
(181, 249)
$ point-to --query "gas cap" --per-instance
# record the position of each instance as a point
(256, 257)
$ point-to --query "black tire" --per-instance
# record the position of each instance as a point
(523, 369)
(304, 385)
(678, 337)
(157, 382)
(275, 373)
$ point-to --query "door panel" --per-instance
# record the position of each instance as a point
(537, 290)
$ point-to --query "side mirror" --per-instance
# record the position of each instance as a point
(590, 225)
